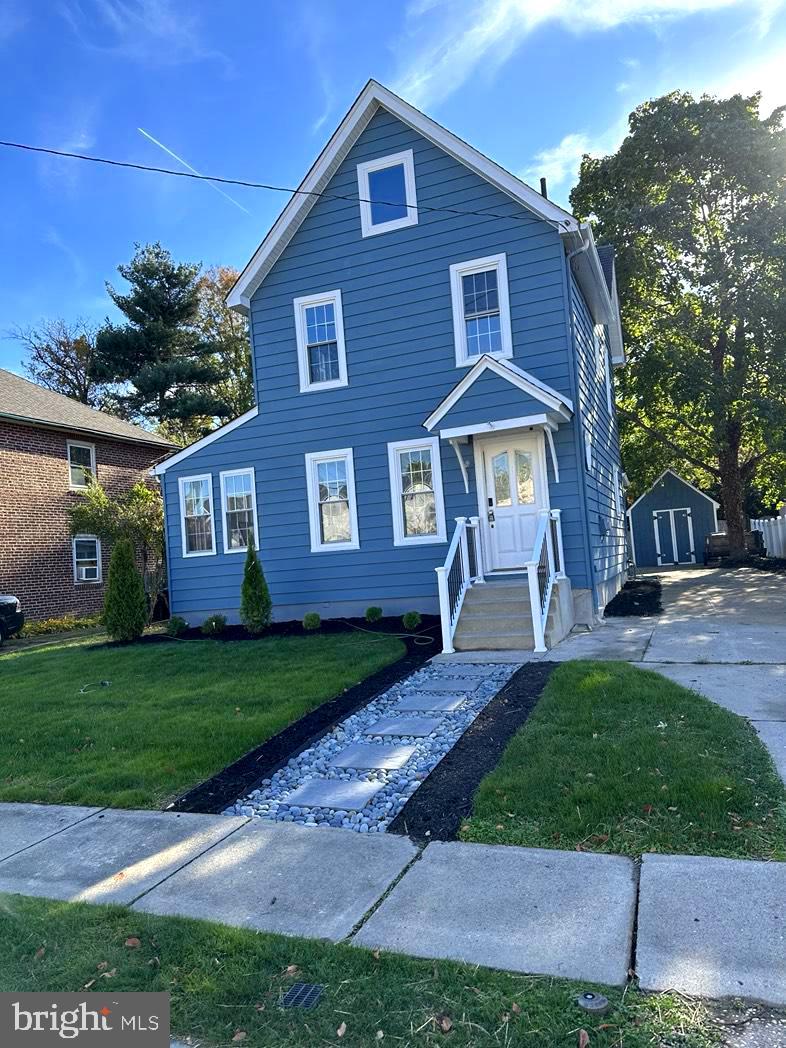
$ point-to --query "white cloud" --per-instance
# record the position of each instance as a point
(559, 164)
(491, 31)
(71, 129)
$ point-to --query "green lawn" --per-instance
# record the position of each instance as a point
(225, 982)
(617, 759)
(175, 713)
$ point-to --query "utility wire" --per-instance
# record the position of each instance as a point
(249, 185)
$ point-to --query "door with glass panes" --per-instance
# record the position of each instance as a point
(515, 494)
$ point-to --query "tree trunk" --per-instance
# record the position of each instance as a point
(732, 489)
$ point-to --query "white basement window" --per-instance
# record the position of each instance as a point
(416, 492)
(386, 188)
(239, 508)
(86, 551)
(481, 309)
(81, 464)
(332, 509)
(197, 526)
(321, 353)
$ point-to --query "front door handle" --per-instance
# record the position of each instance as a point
(491, 516)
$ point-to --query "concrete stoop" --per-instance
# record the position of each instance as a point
(496, 616)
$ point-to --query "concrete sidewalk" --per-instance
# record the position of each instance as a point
(705, 926)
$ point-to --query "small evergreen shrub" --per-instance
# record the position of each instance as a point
(125, 602)
(311, 621)
(176, 626)
(410, 620)
(255, 603)
(213, 625)
(373, 614)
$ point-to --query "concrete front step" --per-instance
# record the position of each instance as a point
(493, 641)
(497, 594)
(475, 620)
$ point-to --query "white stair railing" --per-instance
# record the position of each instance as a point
(547, 564)
(463, 566)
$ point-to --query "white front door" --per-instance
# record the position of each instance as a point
(515, 493)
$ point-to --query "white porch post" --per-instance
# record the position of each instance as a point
(557, 515)
(461, 522)
(545, 514)
(444, 610)
(475, 525)
(534, 601)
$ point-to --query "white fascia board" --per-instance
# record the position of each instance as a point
(504, 424)
(511, 373)
(173, 460)
(344, 137)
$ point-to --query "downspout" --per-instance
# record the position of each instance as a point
(576, 389)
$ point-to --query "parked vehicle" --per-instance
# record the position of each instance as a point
(11, 618)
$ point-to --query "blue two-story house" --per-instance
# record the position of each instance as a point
(434, 429)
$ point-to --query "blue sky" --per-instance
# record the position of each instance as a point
(253, 90)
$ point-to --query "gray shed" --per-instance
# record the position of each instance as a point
(669, 522)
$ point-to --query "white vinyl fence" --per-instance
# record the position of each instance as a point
(774, 531)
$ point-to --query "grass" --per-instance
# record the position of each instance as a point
(617, 759)
(174, 714)
(225, 982)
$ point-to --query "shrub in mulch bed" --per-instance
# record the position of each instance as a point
(437, 809)
(239, 778)
(775, 565)
(428, 631)
(637, 597)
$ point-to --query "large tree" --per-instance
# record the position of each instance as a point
(59, 355)
(227, 332)
(695, 202)
(168, 368)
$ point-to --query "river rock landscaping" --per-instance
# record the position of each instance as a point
(360, 775)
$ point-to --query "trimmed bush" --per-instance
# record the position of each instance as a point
(125, 602)
(311, 621)
(176, 626)
(410, 620)
(213, 625)
(60, 625)
(255, 603)
(373, 614)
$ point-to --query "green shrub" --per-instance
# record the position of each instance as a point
(410, 620)
(373, 614)
(255, 603)
(213, 625)
(176, 626)
(311, 621)
(60, 625)
(125, 602)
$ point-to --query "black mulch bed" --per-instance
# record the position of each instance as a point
(775, 565)
(238, 779)
(437, 809)
(637, 597)
(428, 628)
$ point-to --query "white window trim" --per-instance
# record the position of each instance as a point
(92, 449)
(394, 471)
(312, 488)
(369, 229)
(588, 456)
(479, 265)
(181, 483)
(300, 306)
(618, 493)
(87, 582)
(607, 378)
(248, 472)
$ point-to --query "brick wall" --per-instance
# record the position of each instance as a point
(35, 543)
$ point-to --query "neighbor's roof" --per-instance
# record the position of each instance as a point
(606, 256)
(24, 401)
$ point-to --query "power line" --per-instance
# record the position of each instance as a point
(195, 176)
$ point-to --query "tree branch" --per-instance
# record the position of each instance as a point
(669, 442)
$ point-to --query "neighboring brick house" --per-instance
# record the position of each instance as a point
(48, 444)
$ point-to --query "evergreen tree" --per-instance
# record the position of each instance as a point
(255, 603)
(125, 604)
(160, 353)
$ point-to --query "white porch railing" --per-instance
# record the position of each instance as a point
(774, 531)
(547, 564)
(463, 566)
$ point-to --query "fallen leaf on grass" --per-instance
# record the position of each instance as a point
(515, 1008)
(341, 1030)
(375, 954)
(102, 966)
(444, 1022)
(133, 943)
(88, 984)
(291, 969)
(154, 962)
(109, 975)
(40, 952)
(379, 1035)
(583, 1039)
(647, 808)
(239, 1035)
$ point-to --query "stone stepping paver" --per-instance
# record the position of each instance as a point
(334, 793)
(416, 727)
(466, 669)
(370, 755)
(712, 927)
(440, 686)
(560, 913)
(432, 703)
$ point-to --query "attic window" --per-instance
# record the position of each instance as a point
(386, 188)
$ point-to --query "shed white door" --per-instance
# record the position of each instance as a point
(515, 493)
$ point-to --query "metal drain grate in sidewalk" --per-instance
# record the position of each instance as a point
(302, 995)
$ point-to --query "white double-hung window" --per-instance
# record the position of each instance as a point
(321, 353)
(416, 492)
(332, 509)
(481, 309)
(239, 508)
(197, 524)
(386, 189)
(81, 464)
(86, 553)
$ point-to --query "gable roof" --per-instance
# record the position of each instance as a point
(371, 98)
(24, 401)
(682, 480)
(509, 371)
(606, 256)
(203, 442)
